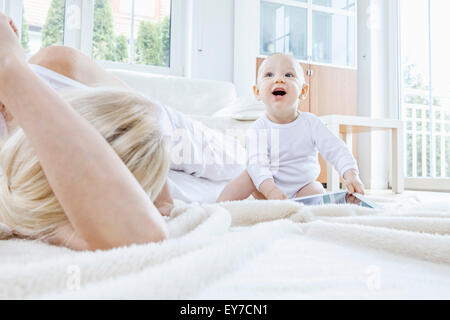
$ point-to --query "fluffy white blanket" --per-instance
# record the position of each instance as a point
(252, 250)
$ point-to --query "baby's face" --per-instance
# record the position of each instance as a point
(279, 84)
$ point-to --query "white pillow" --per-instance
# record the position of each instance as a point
(244, 108)
(190, 96)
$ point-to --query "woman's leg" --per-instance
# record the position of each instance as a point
(75, 65)
(311, 189)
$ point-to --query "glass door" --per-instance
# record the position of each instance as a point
(425, 97)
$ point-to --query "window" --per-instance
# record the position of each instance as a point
(333, 38)
(42, 24)
(133, 31)
(337, 4)
(129, 34)
(319, 31)
(425, 97)
(283, 29)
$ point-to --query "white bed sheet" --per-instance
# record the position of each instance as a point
(192, 189)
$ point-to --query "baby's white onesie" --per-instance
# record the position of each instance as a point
(288, 153)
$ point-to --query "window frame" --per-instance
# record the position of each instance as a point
(396, 98)
(82, 38)
(176, 67)
(310, 7)
(14, 10)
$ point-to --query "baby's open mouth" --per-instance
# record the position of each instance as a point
(279, 92)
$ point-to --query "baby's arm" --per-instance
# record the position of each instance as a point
(257, 178)
(258, 163)
(335, 151)
(271, 191)
(353, 182)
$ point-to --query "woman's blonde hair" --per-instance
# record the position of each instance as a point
(130, 124)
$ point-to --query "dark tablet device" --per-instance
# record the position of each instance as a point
(342, 197)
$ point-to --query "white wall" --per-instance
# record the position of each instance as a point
(376, 87)
(246, 45)
(212, 39)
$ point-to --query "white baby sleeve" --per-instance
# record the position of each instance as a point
(332, 148)
(258, 162)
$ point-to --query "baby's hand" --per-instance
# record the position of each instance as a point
(276, 194)
(353, 182)
(271, 191)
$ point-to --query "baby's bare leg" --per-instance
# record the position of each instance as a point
(240, 188)
(311, 189)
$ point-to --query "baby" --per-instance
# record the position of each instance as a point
(283, 145)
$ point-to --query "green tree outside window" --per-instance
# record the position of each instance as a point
(103, 41)
(25, 36)
(152, 43)
(121, 49)
(53, 29)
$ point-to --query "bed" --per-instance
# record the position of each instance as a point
(253, 250)
(248, 249)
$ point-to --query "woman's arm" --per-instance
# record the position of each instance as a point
(79, 67)
(103, 201)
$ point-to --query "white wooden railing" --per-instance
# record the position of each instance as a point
(425, 156)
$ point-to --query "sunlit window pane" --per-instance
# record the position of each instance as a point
(152, 23)
(337, 4)
(43, 24)
(441, 83)
(334, 39)
(440, 26)
(111, 31)
(414, 35)
(421, 19)
(114, 22)
(283, 29)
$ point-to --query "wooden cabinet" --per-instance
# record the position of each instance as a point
(332, 90)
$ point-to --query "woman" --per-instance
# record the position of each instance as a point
(63, 67)
(195, 176)
(94, 187)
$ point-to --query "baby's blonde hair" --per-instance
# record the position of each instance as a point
(299, 68)
(128, 122)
